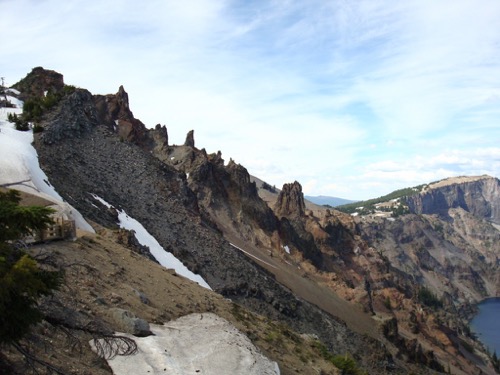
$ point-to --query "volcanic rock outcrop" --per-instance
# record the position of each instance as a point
(38, 82)
(479, 196)
(290, 201)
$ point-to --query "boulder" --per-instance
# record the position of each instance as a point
(127, 322)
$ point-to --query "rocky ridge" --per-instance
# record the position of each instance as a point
(477, 195)
(194, 204)
(84, 151)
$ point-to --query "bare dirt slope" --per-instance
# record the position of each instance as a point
(101, 274)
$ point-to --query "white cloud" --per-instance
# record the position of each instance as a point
(380, 178)
(311, 91)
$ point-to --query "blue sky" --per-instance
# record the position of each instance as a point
(350, 98)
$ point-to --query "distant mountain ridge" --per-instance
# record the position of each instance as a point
(323, 200)
(478, 195)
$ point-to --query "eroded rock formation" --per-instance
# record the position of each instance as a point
(290, 201)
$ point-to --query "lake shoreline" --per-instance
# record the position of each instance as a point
(485, 325)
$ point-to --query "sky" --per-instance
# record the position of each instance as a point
(353, 99)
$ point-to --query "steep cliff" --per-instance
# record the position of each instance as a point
(478, 195)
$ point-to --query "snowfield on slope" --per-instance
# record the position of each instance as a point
(194, 344)
(165, 258)
(20, 169)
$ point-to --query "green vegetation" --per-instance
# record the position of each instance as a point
(495, 361)
(426, 297)
(345, 363)
(19, 122)
(369, 205)
(268, 187)
(21, 278)
(387, 303)
(4, 102)
(35, 108)
(399, 210)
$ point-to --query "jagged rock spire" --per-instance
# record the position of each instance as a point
(290, 201)
(122, 97)
(160, 135)
(189, 139)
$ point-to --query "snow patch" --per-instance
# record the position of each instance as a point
(16, 102)
(165, 258)
(194, 344)
(251, 255)
(21, 170)
(14, 91)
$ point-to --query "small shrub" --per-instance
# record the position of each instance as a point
(428, 298)
(37, 128)
(347, 365)
(6, 104)
(387, 303)
(268, 187)
(19, 122)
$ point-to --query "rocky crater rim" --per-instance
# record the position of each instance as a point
(456, 180)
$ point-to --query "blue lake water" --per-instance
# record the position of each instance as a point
(486, 324)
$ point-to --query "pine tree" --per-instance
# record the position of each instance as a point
(496, 362)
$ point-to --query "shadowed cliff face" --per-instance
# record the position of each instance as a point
(480, 197)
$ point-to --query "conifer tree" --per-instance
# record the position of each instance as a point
(22, 281)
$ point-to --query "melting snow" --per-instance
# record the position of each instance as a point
(166, 259)
(195, 344)
(20, 169)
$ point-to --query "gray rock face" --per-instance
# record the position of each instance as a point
(189, 139)
(129, 323)
(73, 118)
(480, 197)
(460, 252)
